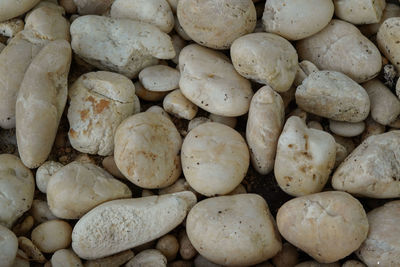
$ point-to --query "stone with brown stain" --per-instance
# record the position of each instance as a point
(100, 101)
(147, 150)
(178, 105)
(305, 158)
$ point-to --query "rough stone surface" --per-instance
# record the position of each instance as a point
(123, 224)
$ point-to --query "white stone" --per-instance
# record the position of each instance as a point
(333, 95)
(264, 125)
(233, 230)
(178, 105)
(44, 173)
(265, 58)
(100, 101)
(210, 81)
(296, 20)
(123, 224)
(17, 187)
(120, 45)
(304, 158)
(156, 12)
(340, 46)
(216, 23)
(159, 78)
(215, 158)
(41, 101)
(78, 187)
(372, 169)
(147, 150)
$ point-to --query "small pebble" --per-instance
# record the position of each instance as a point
(52, 235)
(346, 129)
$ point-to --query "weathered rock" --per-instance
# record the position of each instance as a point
(296, 20)
(177, 104)
(156, 12)
(381, 247)
(44, 173)
(360, 12)
(304, 158)
(372, 169)
(65, 257)
(122, 224)
(78, 187)
(148, 257)
(340, 46)
(52, 235)
(391, 10)
(100, 101)
(10, 8)
(328, 226)
(11, 27)
(42, 26)
(8, 246)
(159, 78)
(385, 106)
(333, 95)
(346, 129)
(17, 187)
(120, 45)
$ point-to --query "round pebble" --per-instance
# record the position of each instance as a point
(44, 173)
(215, 158)
(147, 150)
(216, 23)
(328, 226)
(233, 230)
(52, 235)
(260, 56)
(346, 129)
(296, 20)
(168, 245)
